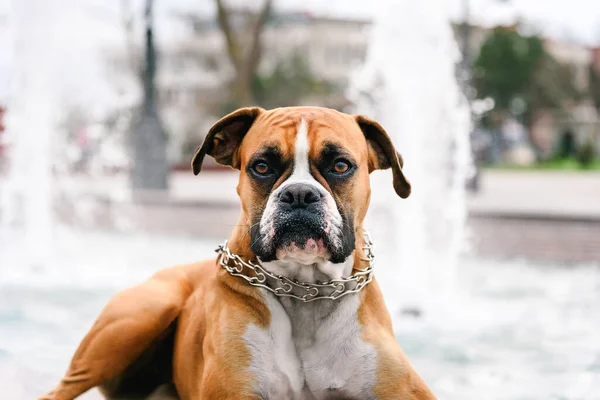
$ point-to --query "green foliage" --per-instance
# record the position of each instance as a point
(511, 66)
(558, 164)
(506, 65)
(586, 154)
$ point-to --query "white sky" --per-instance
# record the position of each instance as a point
(573, 19)
(578, 20)
(99, 21)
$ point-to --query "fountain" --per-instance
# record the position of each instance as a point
(409, 76)
(49, 70)
(30, 121)
(515, 330)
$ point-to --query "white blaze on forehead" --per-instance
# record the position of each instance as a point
(301, 164)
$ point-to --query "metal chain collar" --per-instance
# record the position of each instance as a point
(304, 291)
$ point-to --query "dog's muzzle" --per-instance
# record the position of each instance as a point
(298, 225)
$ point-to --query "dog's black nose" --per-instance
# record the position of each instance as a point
(299, 195)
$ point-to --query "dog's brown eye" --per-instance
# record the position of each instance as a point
(261, 168)
(341, 166)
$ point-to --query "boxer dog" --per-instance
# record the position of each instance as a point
(289, 309)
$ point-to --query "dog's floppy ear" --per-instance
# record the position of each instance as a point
(224, 138)
(382, 154)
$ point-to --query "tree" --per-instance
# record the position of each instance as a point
(150, 170)
(244, 50)
(506, 64)
(514, 67)
(290, 80)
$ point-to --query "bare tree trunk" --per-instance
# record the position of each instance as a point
(150, 170)
(244, 63)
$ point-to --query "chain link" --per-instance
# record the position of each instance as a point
(303, 291)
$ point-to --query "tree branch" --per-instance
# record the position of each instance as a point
(233, 48)
(254, 54)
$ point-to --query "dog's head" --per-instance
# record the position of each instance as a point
(304, 181)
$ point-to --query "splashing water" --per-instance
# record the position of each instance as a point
(408, 84)
(51, 56)
(30, 122)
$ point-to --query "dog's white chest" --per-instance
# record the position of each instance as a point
(311, 352)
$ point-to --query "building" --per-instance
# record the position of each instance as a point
(579, 57)
(332, 47)
(580, 118)
(194, 71)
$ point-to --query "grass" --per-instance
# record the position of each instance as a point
(566, 164)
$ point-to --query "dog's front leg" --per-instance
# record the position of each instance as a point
(129, 324)
(396, 379)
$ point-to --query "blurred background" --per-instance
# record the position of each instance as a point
(491, 267)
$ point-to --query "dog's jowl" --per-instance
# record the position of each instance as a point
(290, 307)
